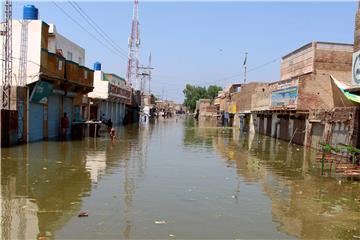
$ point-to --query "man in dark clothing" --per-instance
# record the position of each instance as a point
(64, 125)
(109, 124)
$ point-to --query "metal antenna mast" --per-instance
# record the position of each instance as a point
(132, 75)
(23, 54)
(7, 55)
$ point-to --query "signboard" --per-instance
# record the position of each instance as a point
(41, 92)
(113, 79)
(232, 108)
(285, 97)
(356, 69)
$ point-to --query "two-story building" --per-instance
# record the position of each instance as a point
(49, 75)
(109, 97)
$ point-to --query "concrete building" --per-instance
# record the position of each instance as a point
(109, 97)
(306, 85)
(46, 82)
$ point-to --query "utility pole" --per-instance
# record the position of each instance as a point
(150, 68)
(132, 73)
(6, 33)
(146, 76)
(245, 67)
(6, 76)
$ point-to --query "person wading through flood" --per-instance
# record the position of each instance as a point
(111, 130)
(64, 125)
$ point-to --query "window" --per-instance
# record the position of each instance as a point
(69, 56)
(85, 74)
(80, 61)
(60, 65)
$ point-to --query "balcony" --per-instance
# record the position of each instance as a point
(82, 78)
(52, 66)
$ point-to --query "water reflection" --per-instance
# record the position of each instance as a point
(203, 181)
(304, 204)
(43, 183)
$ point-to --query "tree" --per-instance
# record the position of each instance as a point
(194, 93)
(213, 91)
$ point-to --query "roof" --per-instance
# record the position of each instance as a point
(308, 45)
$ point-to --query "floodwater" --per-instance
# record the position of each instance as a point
(173, 180)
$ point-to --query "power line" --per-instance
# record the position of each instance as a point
(96, 27)
(88, 32)
(231, 76)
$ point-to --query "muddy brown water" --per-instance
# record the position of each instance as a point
(173, 180)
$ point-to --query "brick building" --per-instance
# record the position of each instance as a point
(306, 85)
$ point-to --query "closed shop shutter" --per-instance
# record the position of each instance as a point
(36, 116)
(317, 132)
(68, 108)
(261, 125)
(299, 127)
(268, 126)
(53, 116)
(284, 128)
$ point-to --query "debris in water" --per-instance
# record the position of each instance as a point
(59, 162)
(44, 168)
(83, 214)
(171, 235)
(160, 222)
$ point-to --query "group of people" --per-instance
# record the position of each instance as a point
(64, 125)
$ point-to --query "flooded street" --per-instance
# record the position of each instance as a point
(177, 180)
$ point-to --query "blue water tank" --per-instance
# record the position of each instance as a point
(97, 66)
(30, 12)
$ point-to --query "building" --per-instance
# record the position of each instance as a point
(47, 82)
(306, 86)
(109, 97)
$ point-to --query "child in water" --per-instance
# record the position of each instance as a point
(112, 134)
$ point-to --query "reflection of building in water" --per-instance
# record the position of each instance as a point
(134, 168)
(18, 214)
(95, 164)
(43, 194)
(304, 205)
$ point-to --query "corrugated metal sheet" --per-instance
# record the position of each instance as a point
(36, 115)
(284, 128)
(317, 132)
(53, 116)
(299, 126)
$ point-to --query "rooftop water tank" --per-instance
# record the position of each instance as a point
(30, 12)
(97, 66)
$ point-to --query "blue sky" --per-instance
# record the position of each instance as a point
(204, 43)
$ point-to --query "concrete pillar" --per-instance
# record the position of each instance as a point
(252, 126)
(291, 127)
(308, 128)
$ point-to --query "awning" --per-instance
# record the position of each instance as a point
(342, 86)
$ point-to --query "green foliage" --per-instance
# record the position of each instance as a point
(213, 91)
(193, 93)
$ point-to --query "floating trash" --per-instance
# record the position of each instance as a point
(160, 222)
(83, 214)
